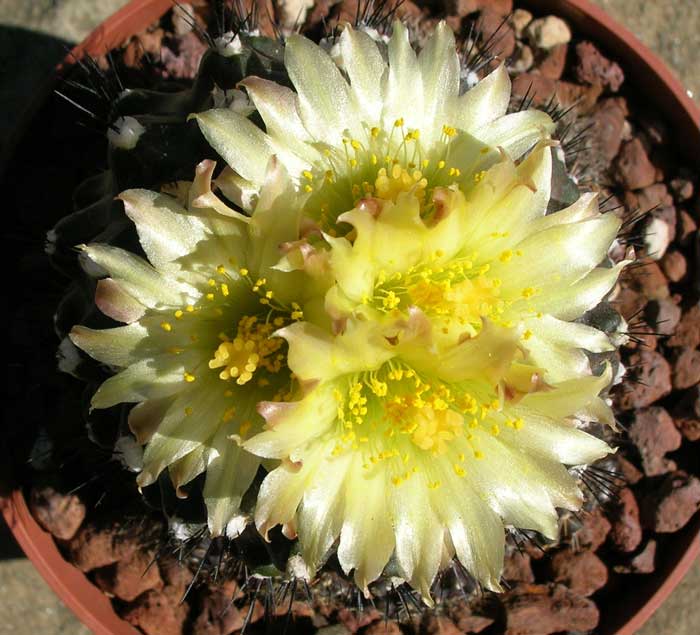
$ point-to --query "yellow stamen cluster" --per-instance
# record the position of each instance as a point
(252, 348)
(382, 165)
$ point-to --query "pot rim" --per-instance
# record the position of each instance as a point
(88, 603)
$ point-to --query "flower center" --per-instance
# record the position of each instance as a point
(383, 165)
(251, 349)
(399, 416)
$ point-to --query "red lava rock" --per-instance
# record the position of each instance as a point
(567, 94)
(633, 169)
(653, 373)
(686, 369)
(491, 20)
(609, 122)
(469, 621)
(671, 507)
(583, 572)
(553, 62)
(533, 609)
(158, 613)
(183, 61)
(663, 316)
(460, 7)
(59, 514)
(628, 301)
(593, 68)
(687, 333)
(687, 228)
(216, 613)
(517, 567)
(388, 627)
(595, 530)
(432, 624)
(177, 576)
(93, 548)
(682, 189)
(686, 414)
(629, 471)
(502, 7)
(648, 279)
(674, 265)
(643, 562)
(129, 578)
(654, 434)
(626, 532)
(656, 195)
(353, 622)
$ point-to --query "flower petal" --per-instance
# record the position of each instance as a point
(230, 471)
(116, 347)
(153, 378)
(486, 101)
(366, 536)
(402, 97)
(138, 278)
(365, 68)
(116, 303)
(439, 69)
(570, 302)
(315, 354)
(290, 425)
(417, 532)
(554, 439)
(518, 132)
(324, 102)
(238, 140)
(476, 532)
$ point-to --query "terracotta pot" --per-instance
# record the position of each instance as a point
(661, 89)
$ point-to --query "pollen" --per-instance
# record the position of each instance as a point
(252, 349)
(166, 326)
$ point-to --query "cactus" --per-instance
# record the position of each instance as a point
(376, 341)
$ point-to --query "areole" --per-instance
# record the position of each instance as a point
(670, 100)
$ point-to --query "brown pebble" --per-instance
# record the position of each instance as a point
(682, 189)
(626, 532)
(687, 228)
(553, 61)
(642, 562)
(687, 333)
(130, 577)
(673, 504)
(653, 375)
(534, 609)
(593, 68)
(517, 567)
(609, 122)
(674, 265)
(158, 613)
(215, 612)
(93, 548)
(633, 169)
(432, 624)
(583, 572)
(629, 471)
(594, 531)
(354, 621)
(654, 434)
(663, 316)
(686, 414)
(382, 627)
(59, 514)
(490, 21)
(468, 620)
(686, 369)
